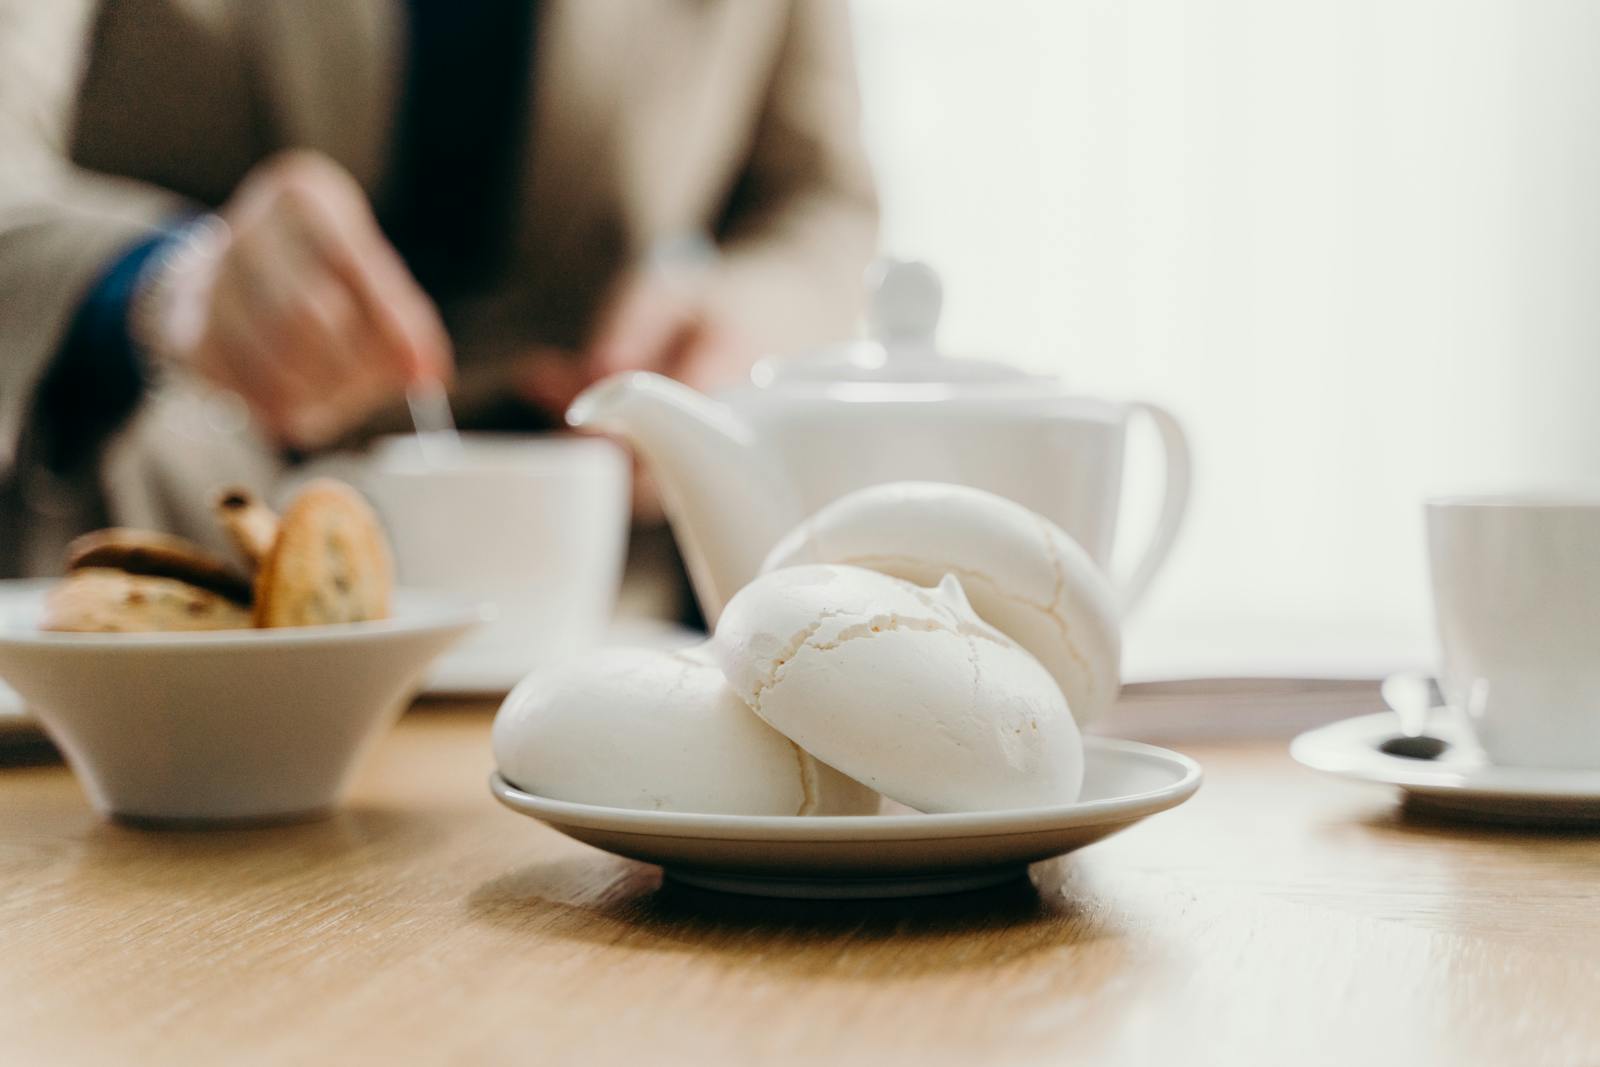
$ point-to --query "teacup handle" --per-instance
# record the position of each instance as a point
(1175, 444)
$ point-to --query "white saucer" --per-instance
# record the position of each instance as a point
(877, 855)
(1459, 782)
(472, 672)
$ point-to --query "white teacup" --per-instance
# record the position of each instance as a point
(1516, 588)
(535, 526)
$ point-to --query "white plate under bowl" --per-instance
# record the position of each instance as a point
(472, 673)
(845, 856)
(1459, 783)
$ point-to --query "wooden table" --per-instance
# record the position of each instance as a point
(1279, 918)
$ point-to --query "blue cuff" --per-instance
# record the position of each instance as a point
(98, 374)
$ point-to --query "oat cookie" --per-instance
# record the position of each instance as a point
(107, 600)
(158, 555)
(329, 564)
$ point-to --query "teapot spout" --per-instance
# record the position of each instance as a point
(727, 500)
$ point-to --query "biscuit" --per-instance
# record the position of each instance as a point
(249, 524)
(158, 555)
(106, 600)
(329, 564)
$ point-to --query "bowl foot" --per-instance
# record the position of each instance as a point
(920, 885)
(227, 822)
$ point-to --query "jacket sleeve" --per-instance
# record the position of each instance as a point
(96, 161)
(802, 224)
(57, 233)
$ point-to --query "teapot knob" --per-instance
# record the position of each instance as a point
(906, 299)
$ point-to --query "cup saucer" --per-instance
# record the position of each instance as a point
(864, 856)
(493, 670)
(1460, 782)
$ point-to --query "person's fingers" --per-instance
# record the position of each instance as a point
(708, 356)
(400, 312)
(327, 313)
(344, 235)
(433, 355)
(636, 329)
(236, 355)
(312, 317)
(296, 307)
(307, 380)
(294, 404)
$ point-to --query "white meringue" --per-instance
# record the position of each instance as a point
(636, 728)
(1023, 574)
(900, 687)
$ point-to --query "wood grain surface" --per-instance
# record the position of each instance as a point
(1279, 918)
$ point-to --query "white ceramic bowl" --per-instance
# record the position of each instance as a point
(233, 725)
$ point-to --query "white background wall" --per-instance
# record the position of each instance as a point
(1354, 243)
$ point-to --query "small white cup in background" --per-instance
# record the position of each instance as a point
(535, 526)
(1516, 589)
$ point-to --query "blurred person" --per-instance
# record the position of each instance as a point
(310, 205)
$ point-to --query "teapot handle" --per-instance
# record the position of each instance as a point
(1175, 444)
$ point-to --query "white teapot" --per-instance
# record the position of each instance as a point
(738, 471)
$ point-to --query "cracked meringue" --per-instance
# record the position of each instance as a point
(1023, 574)
(900, 687)
(637, 728)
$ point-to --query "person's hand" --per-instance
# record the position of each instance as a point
(304, 309)
(660, 323)
(652, 322)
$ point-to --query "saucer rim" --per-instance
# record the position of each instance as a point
(912, 827)
(1348, 748)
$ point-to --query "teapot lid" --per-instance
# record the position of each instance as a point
(902, 319)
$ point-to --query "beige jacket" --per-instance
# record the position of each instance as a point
(648, 114)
